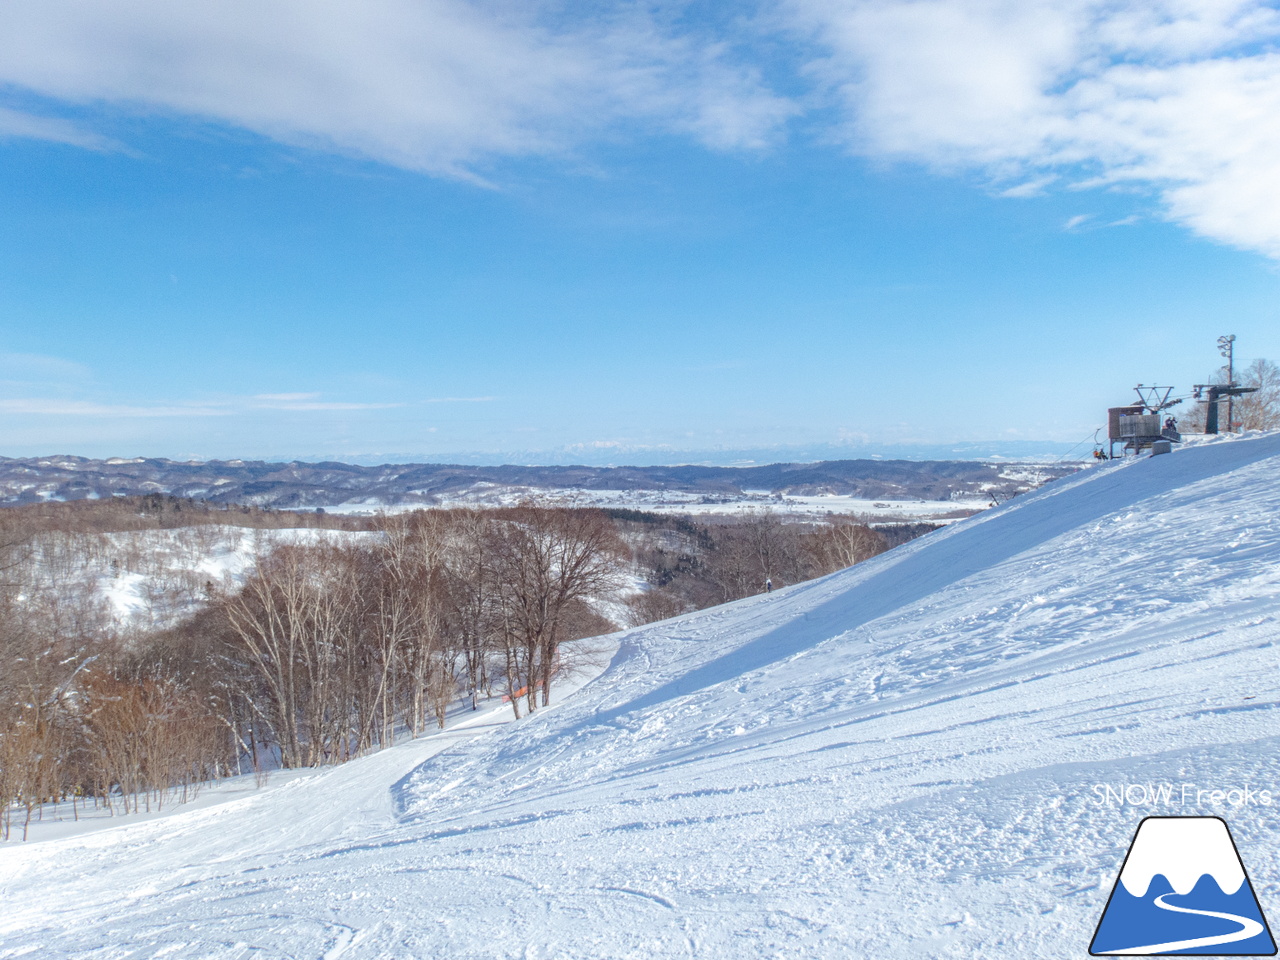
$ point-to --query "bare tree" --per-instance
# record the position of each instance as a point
(656, 603)
(411, 614)
(328, 648)
(294, 618)
(48, 626)
(732, 564)
(756, 550)
(1259, 410)
(471, 593)
(547, 559)
(842, 543)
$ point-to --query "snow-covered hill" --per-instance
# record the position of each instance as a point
(924, 756)
(842, 485)
(153, 579)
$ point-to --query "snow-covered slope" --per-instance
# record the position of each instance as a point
(919, 757)
(153, 579)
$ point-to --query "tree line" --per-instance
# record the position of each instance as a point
(336, 645)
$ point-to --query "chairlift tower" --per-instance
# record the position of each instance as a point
(1214, 392)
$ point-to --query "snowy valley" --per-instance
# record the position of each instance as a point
(909, 758)
(882, 490)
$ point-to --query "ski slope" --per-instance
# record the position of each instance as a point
(932, 754)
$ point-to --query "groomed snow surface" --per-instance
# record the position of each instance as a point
(905, 759)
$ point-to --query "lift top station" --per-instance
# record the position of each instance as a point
(1143, 426)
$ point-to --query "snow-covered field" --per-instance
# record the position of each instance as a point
(796, 506)
(697, 504)
(924, 756)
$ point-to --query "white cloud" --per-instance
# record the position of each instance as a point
(434, 85)
(1179, 95)
(1035, 187)
(61, 407)
(16, 123)
(83, 408)
(310, 402)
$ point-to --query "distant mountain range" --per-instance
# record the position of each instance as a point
(329, 484)
(609, 454)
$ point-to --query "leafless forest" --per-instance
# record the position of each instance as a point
(151, 644)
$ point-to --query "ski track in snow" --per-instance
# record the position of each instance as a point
(898, 760)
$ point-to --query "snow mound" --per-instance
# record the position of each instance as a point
(934, 753)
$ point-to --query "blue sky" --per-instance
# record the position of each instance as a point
(562, 232)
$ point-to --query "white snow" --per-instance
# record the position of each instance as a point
(169, 580)
(1183, 849)
(684, 503)
(933, 754)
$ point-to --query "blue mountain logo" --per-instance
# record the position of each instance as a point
(1183, 891)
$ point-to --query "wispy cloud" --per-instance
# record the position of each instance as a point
(304, 402)
(1035, 187)
(310, 402)
(1079, 220)
(17, 123)
(84, 408)
(36, 367)
(434, 85)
